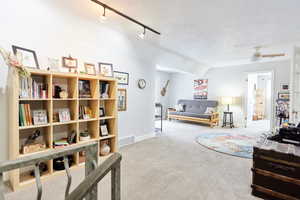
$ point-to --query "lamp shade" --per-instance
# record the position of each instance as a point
(227, 100)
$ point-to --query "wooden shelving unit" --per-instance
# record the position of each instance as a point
(54, 130)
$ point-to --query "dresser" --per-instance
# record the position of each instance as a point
(276, 171)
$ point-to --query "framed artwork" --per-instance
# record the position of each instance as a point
(90, 68)
(84, 89)
(122, 77)
(122, 99)
(39, 117)
(101, 112)
(29, 58)
(104, 130)
(200, 89)
(285, 87)
(283, 95)
(69, 62)
(106, 69)
(54, 64)
(64, 115)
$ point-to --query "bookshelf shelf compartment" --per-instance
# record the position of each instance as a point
(57, 129)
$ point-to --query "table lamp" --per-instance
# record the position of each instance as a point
(227, 101)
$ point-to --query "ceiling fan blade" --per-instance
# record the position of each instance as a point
(273, 55)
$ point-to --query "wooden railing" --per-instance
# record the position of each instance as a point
(93, 173)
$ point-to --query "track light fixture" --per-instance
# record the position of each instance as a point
(103, 17)
(142, 35)
(105, 6)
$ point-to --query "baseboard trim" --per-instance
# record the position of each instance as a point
(128, 140)
(144, 137)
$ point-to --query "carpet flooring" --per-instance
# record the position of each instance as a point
(168, 167)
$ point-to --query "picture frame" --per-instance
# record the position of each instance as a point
(54, 64)
(90, 68)
(284, 96)
(104, 130)
(101, 112)
(29, 58)
(106, 69)
(84, 88)
(69, 62)
(122, 99)
(122, 77)
(64, 115)
(39, 117)
(284, 87)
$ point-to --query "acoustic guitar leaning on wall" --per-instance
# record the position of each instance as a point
(164, 90)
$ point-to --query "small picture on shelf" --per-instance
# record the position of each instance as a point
(106, 69)
(104, 131)
(84, 89)
(70, 63)
(85, 112)
(101, 112)
(39, 117)
(28, 57)
(64, 115)
(104, 88)
(90, 68)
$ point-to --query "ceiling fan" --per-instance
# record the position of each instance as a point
(258, 55)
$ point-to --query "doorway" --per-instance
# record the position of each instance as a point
(259, 101)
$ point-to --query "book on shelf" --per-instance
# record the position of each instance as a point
(85, 112)
(30, 88)
(25, 117)
(84, 89)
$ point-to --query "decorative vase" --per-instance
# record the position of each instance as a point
(105, 149)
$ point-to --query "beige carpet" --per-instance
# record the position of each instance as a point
(169, 167)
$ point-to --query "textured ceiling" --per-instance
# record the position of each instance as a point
(218, 32)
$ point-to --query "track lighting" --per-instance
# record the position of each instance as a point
(103, 17)
(105, 6)
(142, 35)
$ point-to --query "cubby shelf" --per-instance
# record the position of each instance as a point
(53, 131)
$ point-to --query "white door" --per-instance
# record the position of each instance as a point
(295, 87)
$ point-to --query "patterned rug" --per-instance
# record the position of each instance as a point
(228, 143)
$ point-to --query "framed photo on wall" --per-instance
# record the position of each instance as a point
(29, 58)
(106, 69)
(122, 77)
(90, 68)
(283, 95)
(122, 99)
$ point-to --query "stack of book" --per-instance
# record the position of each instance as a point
(25, 118)
(30, 88)
(60, 143)
(85, 112)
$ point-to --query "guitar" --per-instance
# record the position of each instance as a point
(164, 90)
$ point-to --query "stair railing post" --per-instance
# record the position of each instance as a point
(91, 164)
(116, 182)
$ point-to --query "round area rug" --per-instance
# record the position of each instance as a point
(232, 144)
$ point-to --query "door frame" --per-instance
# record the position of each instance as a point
(272, 122)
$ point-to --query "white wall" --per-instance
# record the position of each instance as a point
(53, 29)
(228, 81)
(161, 79)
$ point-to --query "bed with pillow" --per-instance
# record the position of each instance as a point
(202, 111)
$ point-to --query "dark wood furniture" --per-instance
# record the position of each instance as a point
(225, 119)
(276, 171)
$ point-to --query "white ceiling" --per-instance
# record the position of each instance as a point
(218, 33)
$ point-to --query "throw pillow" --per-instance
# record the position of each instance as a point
(179, 108)
(210, 110)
